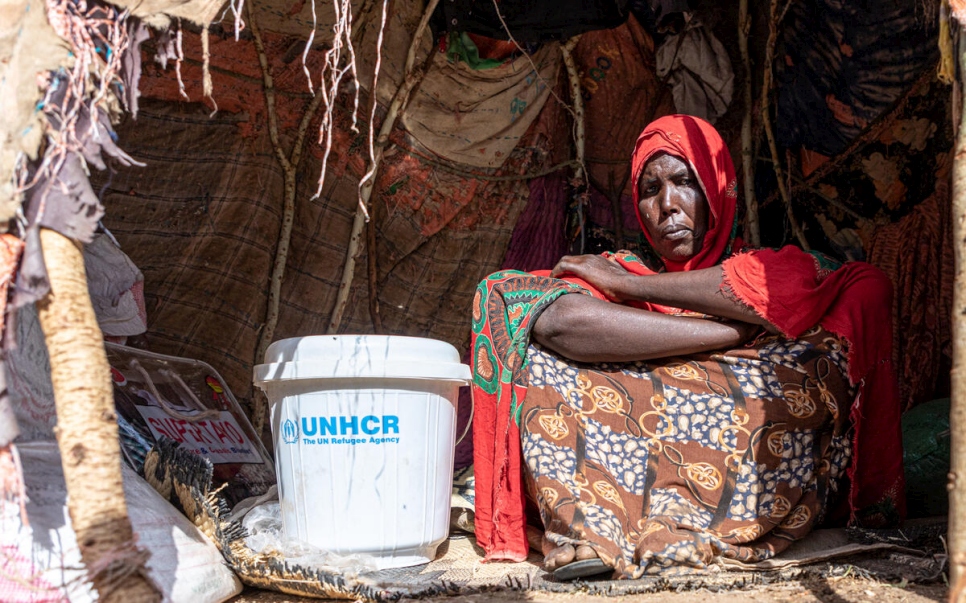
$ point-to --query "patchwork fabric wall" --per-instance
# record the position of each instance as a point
(202, 219)
(841, 64)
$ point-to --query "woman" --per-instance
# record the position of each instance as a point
(722, 407)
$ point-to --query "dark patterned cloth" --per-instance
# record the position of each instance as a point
(841, 64)
(661, 466)
(887, 200)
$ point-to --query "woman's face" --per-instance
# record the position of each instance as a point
(673, 207)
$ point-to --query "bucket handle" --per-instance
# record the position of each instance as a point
(469, 422)
(165, 405)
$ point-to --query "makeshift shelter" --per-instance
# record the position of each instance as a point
(283, 168)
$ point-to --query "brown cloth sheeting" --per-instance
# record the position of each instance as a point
(202, 219)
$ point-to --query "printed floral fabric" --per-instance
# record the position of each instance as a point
(505, 307)
(662, 466)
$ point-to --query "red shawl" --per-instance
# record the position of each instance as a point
(789, 288)
(696, 142)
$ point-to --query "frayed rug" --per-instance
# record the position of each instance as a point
(914, 554)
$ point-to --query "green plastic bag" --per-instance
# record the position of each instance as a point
(926, 444)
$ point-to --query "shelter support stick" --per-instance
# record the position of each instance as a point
(371, 250)
(349, 268)
(766, 86)
(289, 164)
(579, 128)
(86, 431)
(580, 180)
(399, 101)
(373, 273)
(957, 415)
(752, 234)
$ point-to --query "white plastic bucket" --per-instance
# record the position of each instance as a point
(364, 429)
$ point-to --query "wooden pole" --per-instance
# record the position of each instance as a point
(747, 159)
(566, 49)
(957, 415)
(289, 164)
(413, 76)
(87, 430)
(775, 19)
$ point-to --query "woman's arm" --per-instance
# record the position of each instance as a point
(587, 329)
(696, 290)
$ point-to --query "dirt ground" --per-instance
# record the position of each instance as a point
(808, 590)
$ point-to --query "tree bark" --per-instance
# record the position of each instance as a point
(86, 430)
(957, 415)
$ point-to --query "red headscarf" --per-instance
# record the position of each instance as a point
(695, 141)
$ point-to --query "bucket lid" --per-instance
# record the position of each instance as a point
(361, 356)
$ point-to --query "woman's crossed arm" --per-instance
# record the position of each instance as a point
(587, 329)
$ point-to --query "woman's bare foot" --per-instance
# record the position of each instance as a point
(585, 552)
(559, 557)
(566, 554)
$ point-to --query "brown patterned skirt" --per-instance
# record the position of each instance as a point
(662, 466)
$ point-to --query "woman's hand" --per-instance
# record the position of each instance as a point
(609, 277)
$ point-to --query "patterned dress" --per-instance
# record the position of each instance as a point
(662, 466)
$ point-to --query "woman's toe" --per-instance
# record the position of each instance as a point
(585, 552)
(559, 557)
